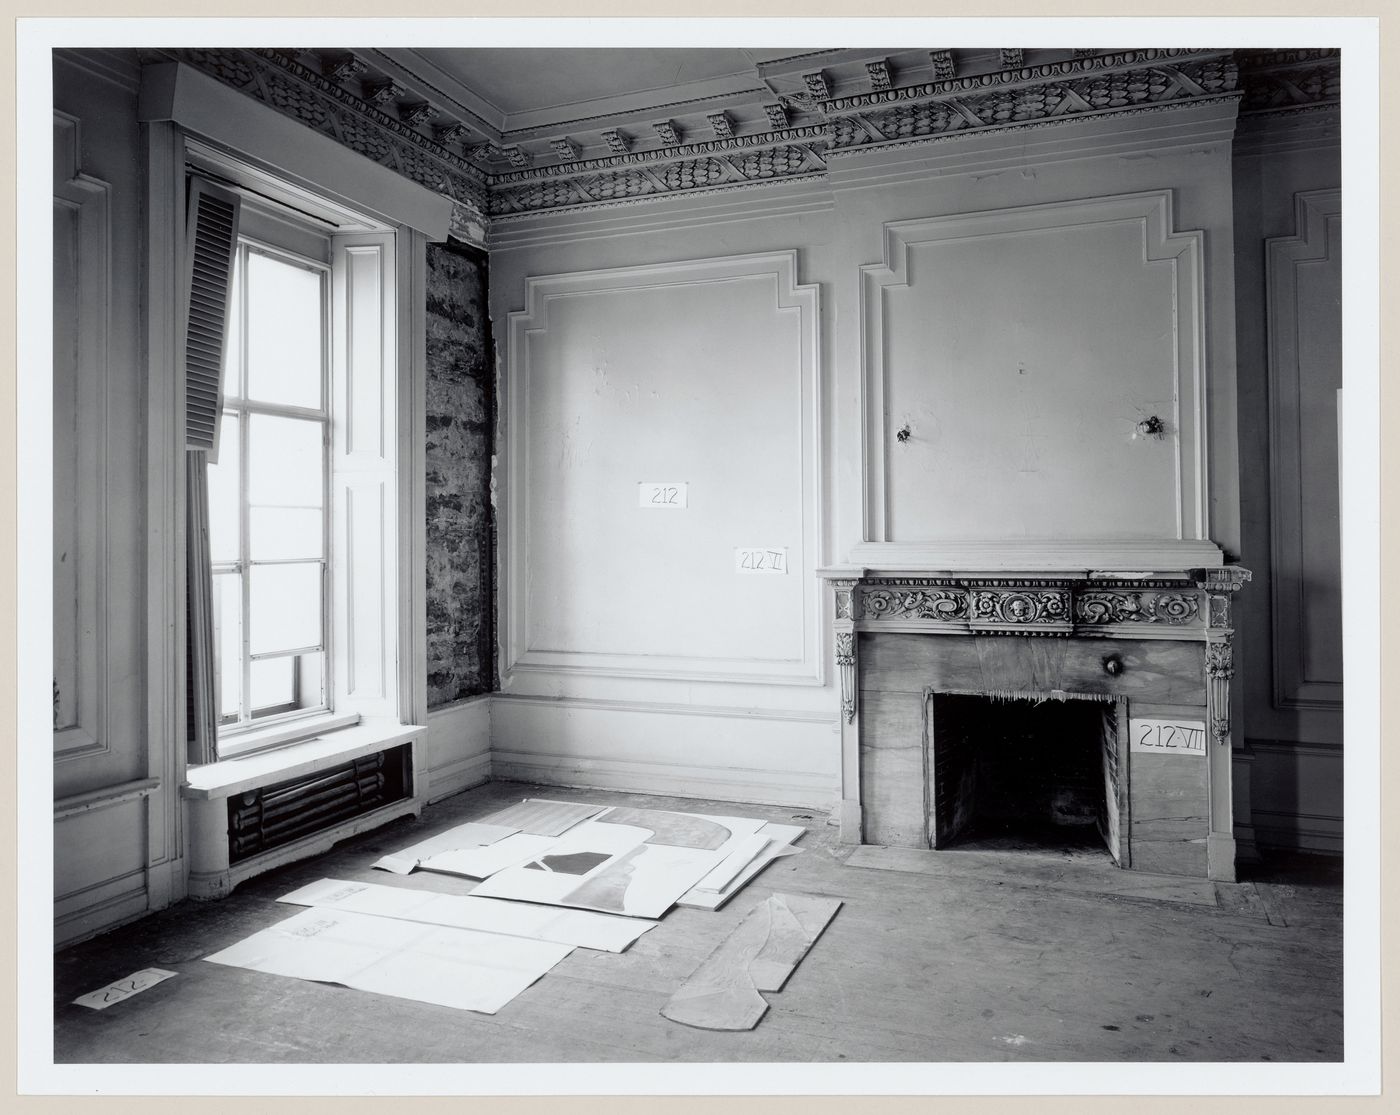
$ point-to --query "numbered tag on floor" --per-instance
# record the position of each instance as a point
(750, 560)
(121, 989)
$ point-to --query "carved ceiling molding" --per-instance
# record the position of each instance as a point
(1024, 75)
(1268, 84)
(726, 168)
(294, 90)
(1290, 81)
(1116, 92)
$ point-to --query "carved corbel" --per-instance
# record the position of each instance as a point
(846, 664)
(1220, 668)
(1219, 585)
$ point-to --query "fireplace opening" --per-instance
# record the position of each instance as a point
(1014, 773)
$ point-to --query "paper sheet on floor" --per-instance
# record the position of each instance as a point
(606, 867)
(780, 839)
(471, 835)
(483, 862)
(541, 817)
(584, 928)
(118, 990)
(461, 968)
(684, 830)
(742, 855)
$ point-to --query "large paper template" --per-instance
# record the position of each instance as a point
(584, 928)
(479, 863)
(471, 835)
(780, 838)
(541, 817)
(636, 878)
(461, 968)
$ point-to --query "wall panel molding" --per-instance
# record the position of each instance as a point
(769, 281)
(82, 309)
(1303, 293)
(1183, 536)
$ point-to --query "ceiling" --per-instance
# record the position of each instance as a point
(517, 107)
(536, 85)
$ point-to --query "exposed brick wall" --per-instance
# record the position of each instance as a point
(461, 418)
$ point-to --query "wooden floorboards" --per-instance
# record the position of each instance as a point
(995, 956)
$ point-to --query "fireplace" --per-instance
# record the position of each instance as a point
(1040, 710)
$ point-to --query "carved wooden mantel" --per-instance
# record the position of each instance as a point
(1182, 605)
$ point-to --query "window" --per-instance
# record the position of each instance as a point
(304, 496)
(268, 505)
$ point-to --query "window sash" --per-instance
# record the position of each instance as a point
(242, 409)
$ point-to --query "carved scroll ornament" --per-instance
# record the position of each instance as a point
(1136, 607)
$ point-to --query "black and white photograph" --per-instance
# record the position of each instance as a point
(707, 557)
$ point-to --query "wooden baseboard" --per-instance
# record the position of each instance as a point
(756, 787)
(1298, 832)
(453, 778)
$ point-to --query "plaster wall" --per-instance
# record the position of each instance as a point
(595, 399)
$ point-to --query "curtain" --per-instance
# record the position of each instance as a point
(200, 683)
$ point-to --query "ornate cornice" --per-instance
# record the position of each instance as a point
(1289, 81)
(917, 118)
(1026, 75)
(383, 123)
(809, 136)
(662, 178)
(294, 90)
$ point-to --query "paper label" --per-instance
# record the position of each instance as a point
(662, 495)
(123, 988)
(1168, 737)
(750, 559)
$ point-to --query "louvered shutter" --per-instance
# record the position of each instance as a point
(211, 243)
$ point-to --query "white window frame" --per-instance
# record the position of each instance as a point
(248, 732)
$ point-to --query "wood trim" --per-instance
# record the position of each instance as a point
(101, 799)
(175, 92)
(1316, 240)
(165, 493)
(517, 652)
(1152, 210)
(88, 198)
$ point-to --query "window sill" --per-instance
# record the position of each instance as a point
(249, 772)
(249, 742)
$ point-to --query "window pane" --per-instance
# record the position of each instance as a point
(228, 641)
(284, 332)
(286, 461)
(285, 607)
(272, 684)
(223, 494)
(285, 684)
(279, 533)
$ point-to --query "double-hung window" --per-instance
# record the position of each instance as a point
(269, 528)
(304, 506)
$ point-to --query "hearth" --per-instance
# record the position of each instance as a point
(1043, 706)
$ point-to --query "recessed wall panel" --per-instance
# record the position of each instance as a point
(1020, 365)
(699, 377)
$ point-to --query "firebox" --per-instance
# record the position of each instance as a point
(1037, 772)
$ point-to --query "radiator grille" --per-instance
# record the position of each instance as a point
(272, 816)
